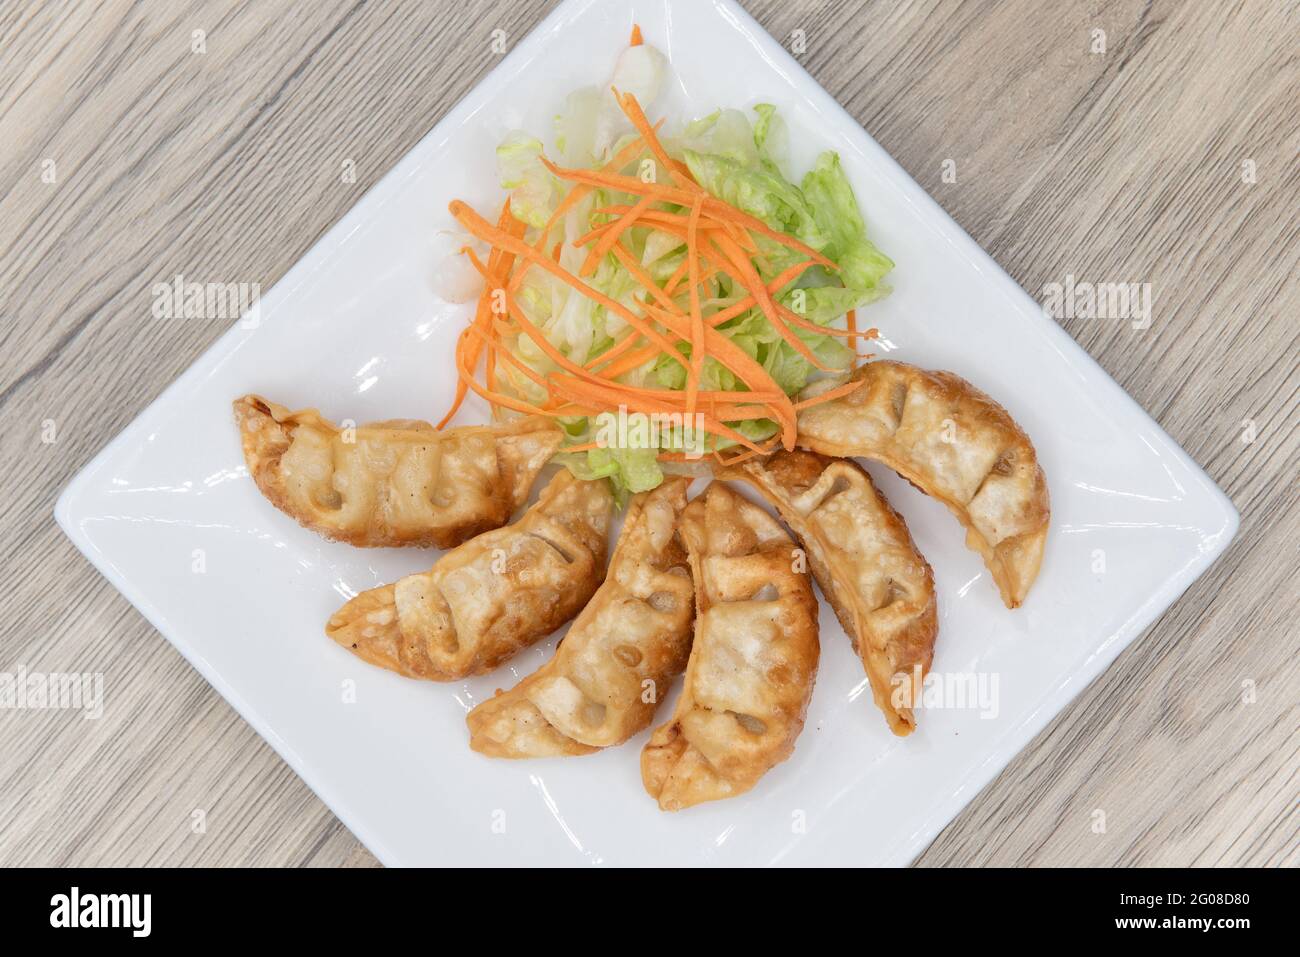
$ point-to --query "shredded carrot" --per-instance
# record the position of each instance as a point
(496, 398)
(574, 196)
(683, 193)
(678, 275)
(621, 159)
(795, 319)
(632, 109)
(748, 303)
(733, 358)
(628, 341)
(496, 264)
(480, 228)
(722, 256)
(715, 320)
(636, 36)
(640, 275)
(740, 364)
(642, 215)
(597, 390)
(835, 393)
(740, 457)
(720, 264)
(586, 392)
(623, 364)
(851, 325)
(716, 208)
(755, 285)
(611, 234)
(697, 318)
(585, 378)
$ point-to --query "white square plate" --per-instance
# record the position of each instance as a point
(356, 328)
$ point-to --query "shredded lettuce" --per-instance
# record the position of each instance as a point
(629, 470)
(641, 70)
(575, 127)
(824, 304)
(862, 265)
(740, 158)
(723, 133)
(770, 138)
(759, 192)
(534, 190)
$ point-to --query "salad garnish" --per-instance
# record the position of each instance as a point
(682, 277)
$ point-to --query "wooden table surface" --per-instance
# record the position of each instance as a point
(1166, 154)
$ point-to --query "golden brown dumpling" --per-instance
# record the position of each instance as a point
(863, 558)
(752, 666)
(492, 596)
(952, 442)
(398, 482)
(618, 658)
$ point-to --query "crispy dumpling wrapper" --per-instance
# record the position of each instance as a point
(487, 599)
(863, 557)
(397, 482)
(753, 662)
(618, 658)
(952, 442)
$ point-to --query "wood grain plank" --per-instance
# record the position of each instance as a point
(226, 166)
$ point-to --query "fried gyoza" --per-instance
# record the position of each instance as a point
(490, 597)
(751, 670)
(952, 442)
(619, 656)
(863, 558)
(398, 482)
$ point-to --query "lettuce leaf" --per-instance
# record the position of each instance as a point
(629, 470)
(759, 192)
(534, 191)
(575, 127)
(770, 138)
(862, 265)
(723, 133)
(824, 304)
